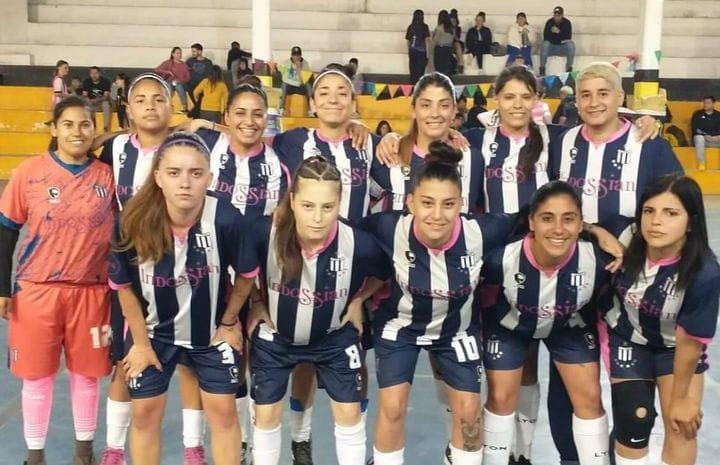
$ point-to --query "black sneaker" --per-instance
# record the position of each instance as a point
(520, 461)
(448, 455)
(371, 461)
(302, 453)
(246, 454)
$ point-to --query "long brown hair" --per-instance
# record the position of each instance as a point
(407, 142)
(144, 223)
(287, 244)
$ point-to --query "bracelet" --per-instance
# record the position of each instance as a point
(227, 325)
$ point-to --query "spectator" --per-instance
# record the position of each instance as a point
(118, 94)
(177, 74)
(457, 122)
(519, 42)
(541, 111)
(479, 39)
(76, 86)
(557, 40)
(443, 39)
(479, 107)
(383, 128)
(418, 43)
(356, 77)
(461, 106)
(705, 126)
(236, 55)
(212, 93)
(251, 79)
(200, 68)
(567, 112)
(59, 87)
(243, 69)
(97, 89)
(458, 45)
(292, 78)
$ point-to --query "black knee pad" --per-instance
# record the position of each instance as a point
(633, 406)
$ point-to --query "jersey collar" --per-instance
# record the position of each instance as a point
(619, 133)
(307, 253)
(453, 239)
(527, 249)
(73, 169)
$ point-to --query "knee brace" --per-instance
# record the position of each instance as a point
(633, 406)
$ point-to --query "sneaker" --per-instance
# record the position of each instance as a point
(302, 453)
(194, 456)
(112, 456)
(448, 455)
(35, 457)
(246, 454)
(371, 461)
(84, 454)
(523, 461)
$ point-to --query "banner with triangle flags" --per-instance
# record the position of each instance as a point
(378, 89)
(471, 89)
(574, 75)
(564, 78)
(486, 88)
(658, 55)
(370, 88)
(407, 89)
(393, 89)
(549, 80)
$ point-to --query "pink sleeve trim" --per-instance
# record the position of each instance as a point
(702, 340)
(251, 274)
(117, 287)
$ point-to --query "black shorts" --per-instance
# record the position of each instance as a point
(117, 325)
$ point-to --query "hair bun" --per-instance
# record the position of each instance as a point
(440, 152)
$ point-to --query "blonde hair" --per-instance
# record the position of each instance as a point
(604, 70)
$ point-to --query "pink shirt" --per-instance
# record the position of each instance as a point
(175, 70)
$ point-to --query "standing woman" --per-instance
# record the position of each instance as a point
(311, 266)
(443, 42)
(177, 74)
(419, 45)
(437, 254)
(172, 248)
(519, 41)
(214, 93)
(59, 86)
(661, 319)
(60, 301)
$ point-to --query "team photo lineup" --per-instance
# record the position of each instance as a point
(248, 268)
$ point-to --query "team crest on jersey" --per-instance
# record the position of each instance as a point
(492, 348)
(100, 191)
(467, 261)
(234, 374)
(405, 170)
(573, 154)
(313, 152)
(520, 279)
(624, 357)
(224, 158)
(267, 170)
(577, 280)
(203, 241)
(338, 264)
(410, 257)
(122, 158)
(669, 288)
(590, 340)
(53, 194)
(493, 148)
(621, 158)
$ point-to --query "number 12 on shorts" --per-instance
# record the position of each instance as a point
(466, 348)
(100, 336)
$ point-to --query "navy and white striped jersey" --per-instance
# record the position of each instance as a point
(397, 180)
(355, 166)
(254, 183)
(506, 188)
(304, 310)
(432, 293)
(130, 163)
(651, 309)
(610, 177)
(523, 297)
(184, 295)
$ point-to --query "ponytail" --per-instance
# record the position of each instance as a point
(530, 152)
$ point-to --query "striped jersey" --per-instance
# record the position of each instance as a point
(130, 164)
(432, 293)
(519, 295)
(397, 180)
(254, 183)
(355, 166)
(68, 212)
(304, 310)
(610, 177)
(506, 187)
(650, 310)
(184, 294)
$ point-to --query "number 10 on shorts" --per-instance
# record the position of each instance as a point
(466, 348)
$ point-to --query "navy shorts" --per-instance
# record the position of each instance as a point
(458, 361)
(215, 366)
(506, 349)
(337, 359)
(635, 361)
(117, 325)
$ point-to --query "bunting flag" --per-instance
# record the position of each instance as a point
(564, 78)
(459, 90)
(393, 88)
(471, 89)
(306, 75)
(378, 89)
(370, 88)
(574, 75)
(658, 55)
(486, 88)
(549, 80)
(407, 89)
(616, 63)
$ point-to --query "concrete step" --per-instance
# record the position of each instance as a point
(15, 59)
(277, 5)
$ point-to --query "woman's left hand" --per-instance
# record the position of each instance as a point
(457, 140)
(230, 334)
(354, 315)
(648, 128)
(359, 134)
(609, 244)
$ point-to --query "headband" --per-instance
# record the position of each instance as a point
(154, 76)
(185, 138)
(441, 76)
(332, 71)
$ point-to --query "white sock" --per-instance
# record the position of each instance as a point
(387, 458)
(118, 421)
(498, 433)
(525, 420)
(444, 401)
(193, 427)
(251, 412)
(623, 461)
(350, 444)
(300, 421)
(266, 446)
(461, 457)
(592, 440)
(242, 406)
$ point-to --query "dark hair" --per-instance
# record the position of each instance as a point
(354, 61)
(76, 77)
(523, 15)
(71, 101)
(250, 79)
(479, 99)
(172, 52)
(407, 142)
(543, 194)
(58, 65)
(245, 88)
(96, 67)
(235, 43)
(215, 76)
(444, 21)
(709, 97)
(418, 18)
(534, 144)
(696, 247)
(441, 163)
(461, 97)
(197, 46)
(481, 13)
(287, 245)
(381, 124)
